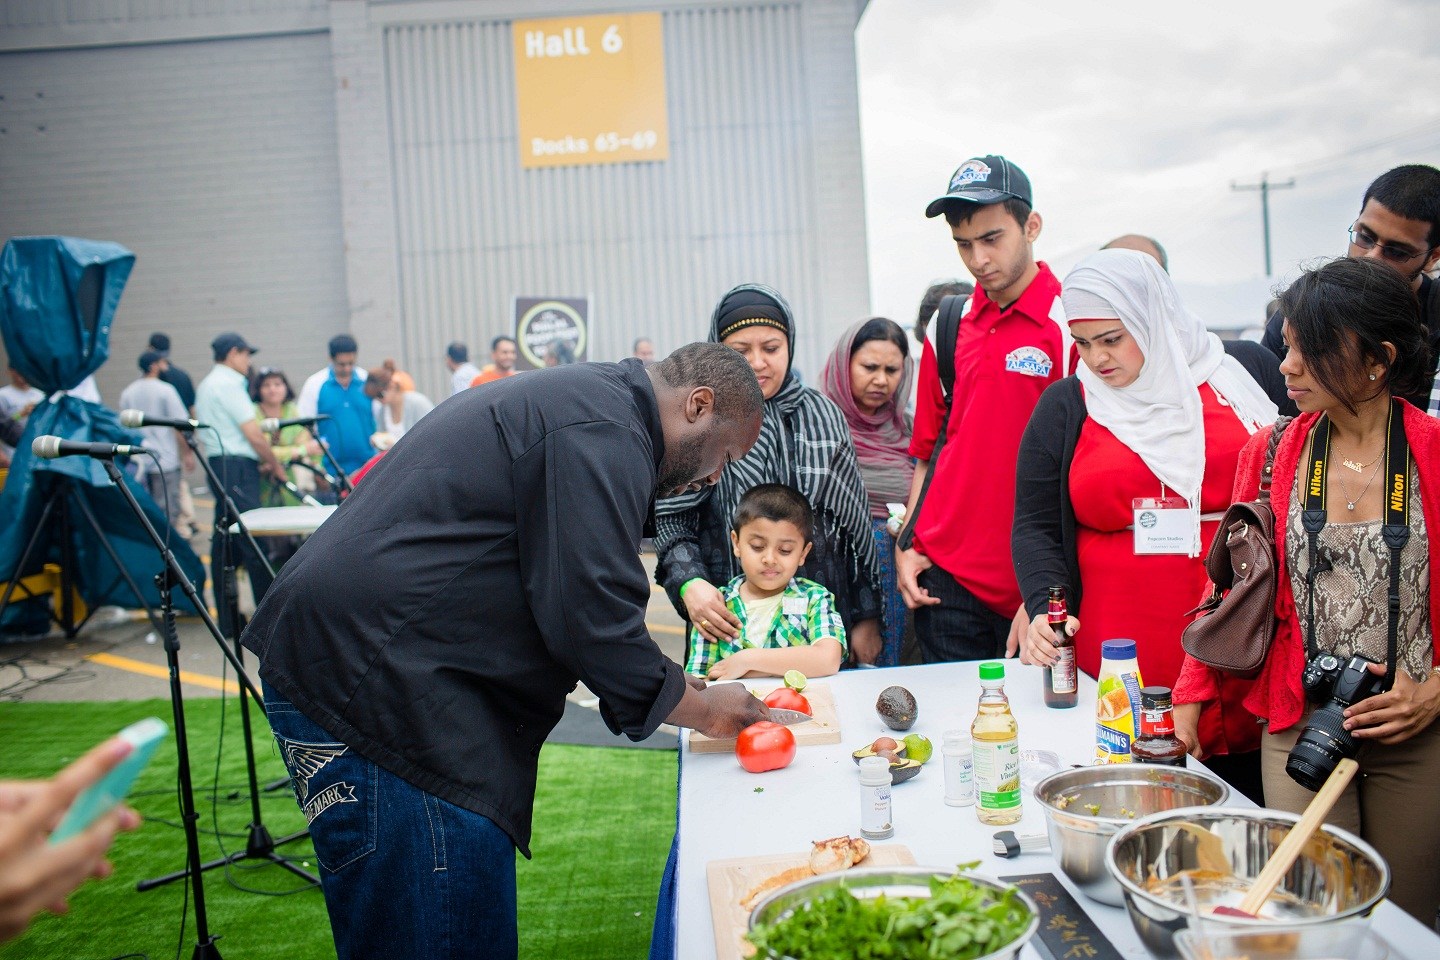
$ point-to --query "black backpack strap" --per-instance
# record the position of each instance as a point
(947, 335)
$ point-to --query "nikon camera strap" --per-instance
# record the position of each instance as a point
(1395, 530)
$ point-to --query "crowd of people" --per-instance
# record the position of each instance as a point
(934, 483)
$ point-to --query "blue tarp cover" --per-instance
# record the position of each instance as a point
(58, 297)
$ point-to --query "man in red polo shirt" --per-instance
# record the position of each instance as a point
(957, 575)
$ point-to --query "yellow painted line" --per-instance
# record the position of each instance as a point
(154, 670)
(666, 628)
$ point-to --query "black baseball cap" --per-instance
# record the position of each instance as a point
(149, 358)
(984, 180)
(223, 344)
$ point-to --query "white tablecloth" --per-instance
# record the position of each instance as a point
(818, 796)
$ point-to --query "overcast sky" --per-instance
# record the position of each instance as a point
(1136, 117)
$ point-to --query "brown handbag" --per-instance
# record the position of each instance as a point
(1237, 621)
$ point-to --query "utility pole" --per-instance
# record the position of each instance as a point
(1264, 186)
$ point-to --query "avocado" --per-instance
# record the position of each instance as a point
(900, 770)
(904, 770)
(897, 708)
(869, 751)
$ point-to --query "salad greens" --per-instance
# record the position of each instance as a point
(960, 920)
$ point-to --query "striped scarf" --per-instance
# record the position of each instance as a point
(804, 442)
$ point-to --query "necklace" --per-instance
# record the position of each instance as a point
(1361, 467)
(1349, 500)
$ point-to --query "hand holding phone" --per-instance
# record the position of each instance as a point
(36, 871)
(100, 798)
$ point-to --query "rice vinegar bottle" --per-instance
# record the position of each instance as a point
(996, 739)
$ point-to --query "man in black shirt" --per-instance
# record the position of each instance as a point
(172, 374)
(417, 650)
(1399, 224)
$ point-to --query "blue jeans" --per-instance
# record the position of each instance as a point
(405, 873)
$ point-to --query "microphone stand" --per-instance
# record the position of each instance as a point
(346, 487)
(172, 576)
(259, 845)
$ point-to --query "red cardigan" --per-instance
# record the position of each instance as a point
(1277, 694)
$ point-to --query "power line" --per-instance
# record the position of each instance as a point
(1303, 166)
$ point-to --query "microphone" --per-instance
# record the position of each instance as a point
(138, 418)
(49, 448)
(272, 424)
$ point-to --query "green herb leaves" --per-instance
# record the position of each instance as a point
(961, 920)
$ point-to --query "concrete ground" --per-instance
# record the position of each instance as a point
(117, 656)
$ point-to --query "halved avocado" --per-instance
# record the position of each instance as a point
(904, 770)
(869, 751)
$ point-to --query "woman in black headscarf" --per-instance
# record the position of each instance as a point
(804, 442)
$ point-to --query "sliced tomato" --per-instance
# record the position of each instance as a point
(786, 699)
(765, 746)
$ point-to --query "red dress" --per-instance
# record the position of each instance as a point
(1145, 598)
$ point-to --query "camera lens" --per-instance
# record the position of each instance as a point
(1323, 743)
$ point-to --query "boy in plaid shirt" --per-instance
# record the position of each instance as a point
(786, 622)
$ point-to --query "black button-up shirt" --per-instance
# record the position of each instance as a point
(436, 622)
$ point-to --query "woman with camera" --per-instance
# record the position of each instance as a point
(1155, 417)
(1356, 488)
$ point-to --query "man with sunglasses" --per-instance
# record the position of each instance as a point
(1399, 224)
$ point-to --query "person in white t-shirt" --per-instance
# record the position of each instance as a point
(462, 371)
(156, 398)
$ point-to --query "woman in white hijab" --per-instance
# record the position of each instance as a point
(1124, 470)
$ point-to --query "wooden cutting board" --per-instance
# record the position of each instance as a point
(730, 880)
(824, 728)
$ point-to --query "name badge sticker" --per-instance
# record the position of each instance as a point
(1163, 525)
(794, 606)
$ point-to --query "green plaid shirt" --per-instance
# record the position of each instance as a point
(791, 628)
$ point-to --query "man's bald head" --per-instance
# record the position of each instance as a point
(710, 411)
(1146, 245)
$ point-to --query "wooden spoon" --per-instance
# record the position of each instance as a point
(1285, 855)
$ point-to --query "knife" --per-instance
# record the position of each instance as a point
(789, 717)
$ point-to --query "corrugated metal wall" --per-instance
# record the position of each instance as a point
(654, 244)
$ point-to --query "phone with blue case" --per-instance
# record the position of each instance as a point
(100, 798)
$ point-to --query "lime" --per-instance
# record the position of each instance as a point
(795, 680)
(918, 747)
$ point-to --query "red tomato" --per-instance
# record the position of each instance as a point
(765, 746)
(787, 699)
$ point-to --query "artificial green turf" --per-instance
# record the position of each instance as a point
(603, 822)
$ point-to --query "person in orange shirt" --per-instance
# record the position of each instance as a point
(502, 361)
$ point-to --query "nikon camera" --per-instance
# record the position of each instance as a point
(1325, 742)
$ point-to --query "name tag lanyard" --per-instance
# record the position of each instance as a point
(1395, 530)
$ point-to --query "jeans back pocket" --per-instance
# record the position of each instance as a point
(334, 786)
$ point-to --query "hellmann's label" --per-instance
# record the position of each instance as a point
(1116, 705)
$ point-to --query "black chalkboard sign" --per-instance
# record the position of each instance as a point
(1066, 931)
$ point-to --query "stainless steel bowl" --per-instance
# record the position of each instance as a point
(867, 882)
(1086, 806)
(1338, 877)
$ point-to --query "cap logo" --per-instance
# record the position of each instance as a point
(971, 171)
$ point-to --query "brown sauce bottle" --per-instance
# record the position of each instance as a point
(1155, 740)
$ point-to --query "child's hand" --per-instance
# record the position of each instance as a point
(732, 667)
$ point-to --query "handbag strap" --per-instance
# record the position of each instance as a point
(1267, 473)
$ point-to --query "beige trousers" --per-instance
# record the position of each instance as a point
(1393, 804)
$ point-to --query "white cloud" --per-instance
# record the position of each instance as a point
(1132, 116)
